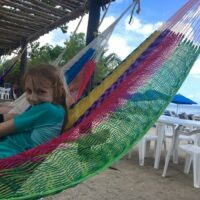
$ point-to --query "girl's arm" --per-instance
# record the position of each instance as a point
(7, 128)
(9, 116)
(5, 109)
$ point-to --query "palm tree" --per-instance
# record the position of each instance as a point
(106, 64)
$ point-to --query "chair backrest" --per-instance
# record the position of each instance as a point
(196, 117)
(195, 133)
(168, 130)
(197, 137)
(7, 90)
(183, 116)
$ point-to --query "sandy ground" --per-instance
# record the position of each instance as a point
(132, 182)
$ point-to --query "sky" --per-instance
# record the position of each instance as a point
(129, 36)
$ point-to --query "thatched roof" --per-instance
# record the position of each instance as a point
(29, 19)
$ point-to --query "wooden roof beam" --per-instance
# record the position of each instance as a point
(49, 7)
(31, 5)
(25, 15)
(21, 21)
(5, 41)
(61, 21)
(14, 32)
(28, 10)
(2, 22)
(21, 17)
(9, 36)
(65, 5)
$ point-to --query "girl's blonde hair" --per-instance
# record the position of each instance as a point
(46, 73)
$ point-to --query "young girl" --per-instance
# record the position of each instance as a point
(43, 120)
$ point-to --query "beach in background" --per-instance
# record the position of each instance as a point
(180, 108)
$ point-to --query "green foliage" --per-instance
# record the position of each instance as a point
(75, 43)
(13, 76)
(105, 65)
(44, 54)
(49, 53)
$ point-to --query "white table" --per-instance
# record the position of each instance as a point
(171, 121)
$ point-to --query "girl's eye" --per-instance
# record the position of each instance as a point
(41, 91)
(28, 91)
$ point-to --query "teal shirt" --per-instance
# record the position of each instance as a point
(39, 124)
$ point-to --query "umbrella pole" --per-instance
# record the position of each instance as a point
(177, 110)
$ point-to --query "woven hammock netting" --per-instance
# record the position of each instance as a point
(113, 117)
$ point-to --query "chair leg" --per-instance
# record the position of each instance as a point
(142, 149)
(188, 161)
(165, 147)
(166, 163)
(129, 154)
(175, 156)
(169, 153)
(160, 139)
(147, 152)
(175, 152)
(196, 170)
(154, 153)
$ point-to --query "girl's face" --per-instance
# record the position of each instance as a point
(38, 91)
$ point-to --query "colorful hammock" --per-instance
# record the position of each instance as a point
(115, 115)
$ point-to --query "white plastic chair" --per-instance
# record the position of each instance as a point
(193, 155)
(183, 136)
(144, 145)
(152, 136)
(1, 93)
(5, 93)
(196, 117)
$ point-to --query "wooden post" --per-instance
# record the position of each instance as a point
(23, 57)
(93, 21)
(23, 61)
(92, 29)
(1, 52)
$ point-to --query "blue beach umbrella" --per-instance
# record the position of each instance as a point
(180, 99)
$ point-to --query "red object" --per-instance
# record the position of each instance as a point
(88, 71)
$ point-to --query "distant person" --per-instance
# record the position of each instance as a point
(11, 94)
(15, 90)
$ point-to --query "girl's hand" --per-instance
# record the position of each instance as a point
(9, 116)
(7, 128)
(5, 109)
